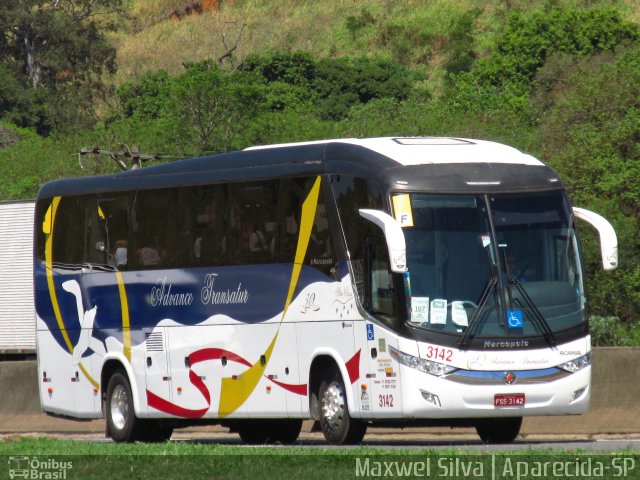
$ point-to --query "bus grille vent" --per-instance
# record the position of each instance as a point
(154, 342)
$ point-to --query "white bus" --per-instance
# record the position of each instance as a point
(385, 281)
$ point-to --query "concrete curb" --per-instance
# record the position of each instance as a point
(615, 402)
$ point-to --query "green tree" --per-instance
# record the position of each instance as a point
(591, 135)
(60, 48)
(503, 79)
(212, 106)
(148, 97)
(329, 87)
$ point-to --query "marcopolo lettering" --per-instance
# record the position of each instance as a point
(506, 343)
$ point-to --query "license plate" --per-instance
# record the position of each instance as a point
(508, 400)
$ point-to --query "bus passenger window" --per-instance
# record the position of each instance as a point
(107, 230)
(320, 252)
(68, 233)
(202, 226)
(352, 194)
(253, 222)
(380, 298)
(154, 236)
(96, 251)
(293, 192)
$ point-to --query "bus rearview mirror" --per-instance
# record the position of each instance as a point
(608, 238)
(394, 237)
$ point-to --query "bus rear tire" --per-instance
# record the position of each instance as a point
(288, 431)
(499, 430)
(338, 427)
(260, 432)
(122, 423)
(155, 431)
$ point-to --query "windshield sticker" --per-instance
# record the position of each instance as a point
(420, 309)
(514, 319)
(402, 209)
(486, 240)
(382, 345)
(459, 314)
(438, 311)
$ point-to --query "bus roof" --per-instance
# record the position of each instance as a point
(409, 151)
(442, 165)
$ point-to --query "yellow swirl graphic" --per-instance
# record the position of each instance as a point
(48, 258)
(234, 392)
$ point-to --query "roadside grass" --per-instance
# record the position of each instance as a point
(67, 459)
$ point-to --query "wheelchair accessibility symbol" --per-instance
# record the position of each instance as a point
(514, 319)
(370, 335)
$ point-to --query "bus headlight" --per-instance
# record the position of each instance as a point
(577, 363)
(426, 366)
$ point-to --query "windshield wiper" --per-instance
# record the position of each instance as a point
(474, 323)
(537, 316)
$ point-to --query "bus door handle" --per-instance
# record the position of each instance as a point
(374, 353)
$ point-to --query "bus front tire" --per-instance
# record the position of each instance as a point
(499, 430)
(338, 427)
(122, 423)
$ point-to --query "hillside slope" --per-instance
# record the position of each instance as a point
(422, 35)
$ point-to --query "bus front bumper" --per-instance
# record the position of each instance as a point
(497, 394)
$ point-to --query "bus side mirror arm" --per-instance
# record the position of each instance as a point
(394, 237)
(608, 238)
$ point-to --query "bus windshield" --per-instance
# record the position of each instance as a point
(492, 266)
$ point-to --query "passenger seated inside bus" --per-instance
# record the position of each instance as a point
(149, 255)
(259, 243)
(120, 254)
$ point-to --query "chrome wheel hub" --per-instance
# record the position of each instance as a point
(332, 405)
(119, 407)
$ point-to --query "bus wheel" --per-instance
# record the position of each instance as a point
(122, 424)
(253, 432)
(155, 431)
(284, 431)
(337, 425)
(287, 431)
(499, 430)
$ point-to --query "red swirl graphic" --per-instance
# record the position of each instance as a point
(159, 403)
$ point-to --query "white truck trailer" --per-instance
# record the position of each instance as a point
(17, 312)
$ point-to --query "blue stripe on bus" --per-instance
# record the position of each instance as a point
(247, 294)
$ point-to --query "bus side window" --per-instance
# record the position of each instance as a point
(320, 252)
(68, 233)
(352, 194)
(252, 224)
(202, 226)
(96, 240)
(380, 299)
(154, 232)
(293, 191)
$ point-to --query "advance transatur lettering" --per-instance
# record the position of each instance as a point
(161, 294)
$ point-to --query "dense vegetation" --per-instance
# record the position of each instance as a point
(559, 81)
